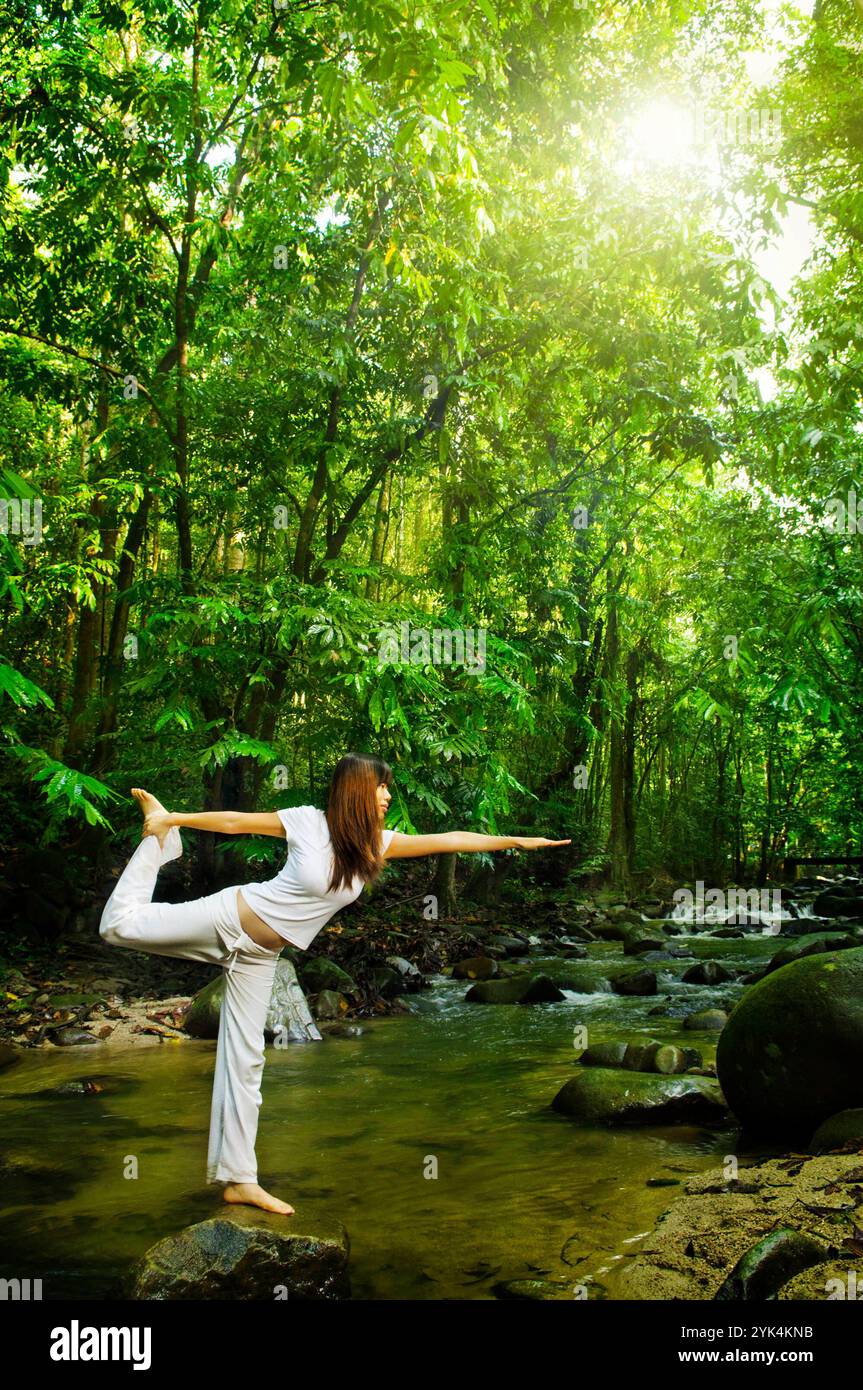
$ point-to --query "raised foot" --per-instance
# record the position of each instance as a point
(250, 1194)
(149, 807)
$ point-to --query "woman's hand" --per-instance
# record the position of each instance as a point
(536, 842)
(157, 823)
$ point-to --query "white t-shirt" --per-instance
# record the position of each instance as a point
(297, 903)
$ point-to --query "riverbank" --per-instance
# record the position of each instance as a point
(712, 1226)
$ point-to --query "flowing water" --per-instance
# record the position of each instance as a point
(430, 1136)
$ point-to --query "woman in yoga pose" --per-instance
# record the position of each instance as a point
(330, 858)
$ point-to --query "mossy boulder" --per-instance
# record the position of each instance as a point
(839, 1130)
(664, 1058)
(246, 1254)
(475, 968)
(640, 981)
(613, 1096)
(706, 1021)
(321, 973)
(604, 1054)
(810, 945)
(839, 901)
(707, 972)
(791, 1054)
(642, 939)
(518, 989)
(329, 1005)
(508, 945)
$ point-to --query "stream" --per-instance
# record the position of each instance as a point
(351, 1126)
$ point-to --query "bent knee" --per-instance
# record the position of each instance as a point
(116, 933)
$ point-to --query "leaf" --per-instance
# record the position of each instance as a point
(20, 690)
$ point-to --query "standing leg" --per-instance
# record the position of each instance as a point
(239, 1067)
(209, 929)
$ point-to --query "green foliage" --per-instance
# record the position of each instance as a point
(329, 319)
(69, 793)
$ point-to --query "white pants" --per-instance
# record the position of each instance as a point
(207, 929)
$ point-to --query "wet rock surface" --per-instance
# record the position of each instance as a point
(246, 1254)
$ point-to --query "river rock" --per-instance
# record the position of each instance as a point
(518, 989)
(612, 1096)
(808, 945)
(770, 1263)
(475, 968)
(386, 982)
(322, 973)
(718, 1218)
(791, 1054)
(651, 1056)
(706, 1020)
(246, 1254)
(620, 913)
(574, 950)
(581, 979)
(412, 978)
(329, 1004)
(610, 931)
(73, 1037)
(636, 981)
(652, 907)
(605, 1054)
(638, 1054)
(636, 942)
(670, 1060)
(839, 901)
(509, 945)
(707, 972)
(577, 933)
(842, 1128)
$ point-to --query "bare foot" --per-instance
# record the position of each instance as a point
(252, 1195)
(149, 806)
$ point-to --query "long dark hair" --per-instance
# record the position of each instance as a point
(354, 818)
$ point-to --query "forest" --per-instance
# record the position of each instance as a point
(326, 322)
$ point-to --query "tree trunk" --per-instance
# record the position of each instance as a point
(444, 884)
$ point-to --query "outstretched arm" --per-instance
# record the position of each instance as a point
(223, 822)
(461, 842)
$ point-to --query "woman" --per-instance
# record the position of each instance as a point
(330, 858)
